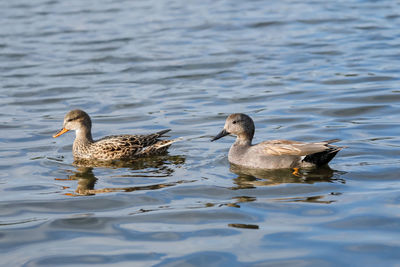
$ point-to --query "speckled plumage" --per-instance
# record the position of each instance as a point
(113, 147)
(273, 154)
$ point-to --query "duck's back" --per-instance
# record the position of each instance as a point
(120, 146)
(115, 147)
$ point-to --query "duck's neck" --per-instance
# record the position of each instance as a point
(83, 136)
(243, 139)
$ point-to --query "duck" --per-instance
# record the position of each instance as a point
(273, 154)
(113, 147)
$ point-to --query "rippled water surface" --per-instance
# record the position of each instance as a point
(304, 70)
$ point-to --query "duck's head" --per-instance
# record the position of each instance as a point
(238, 124)
(75, 120)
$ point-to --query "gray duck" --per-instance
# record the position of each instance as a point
(273, 154)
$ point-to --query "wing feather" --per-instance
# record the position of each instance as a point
(295, 148)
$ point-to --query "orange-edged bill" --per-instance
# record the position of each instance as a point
(62, 131)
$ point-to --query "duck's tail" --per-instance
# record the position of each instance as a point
(161, 133)
(160, 146)
(166, 143)
(324, 157)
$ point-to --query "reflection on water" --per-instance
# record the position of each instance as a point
(245, 226)
(249, 178)
(255, 178)
(156, 165)
(158, 162)
(312, 199)
(240, 199)
(86, 180)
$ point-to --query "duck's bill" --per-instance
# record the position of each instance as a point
(220, 135)
(63, 131)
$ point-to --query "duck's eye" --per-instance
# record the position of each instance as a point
(234, 122)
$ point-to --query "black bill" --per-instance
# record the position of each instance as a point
(220, 135)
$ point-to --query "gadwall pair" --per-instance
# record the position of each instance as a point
(275, 154)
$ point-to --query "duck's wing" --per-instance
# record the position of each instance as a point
(295, 148)
(132, 140)
(118, 146)
(131, 145)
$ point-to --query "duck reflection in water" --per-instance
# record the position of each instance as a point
(160, 166)
(250, 178)
(161, 162)
(86, 181)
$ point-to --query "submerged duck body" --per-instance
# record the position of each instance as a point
(114, 147)
(273, 154)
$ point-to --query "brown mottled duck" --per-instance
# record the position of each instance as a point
(113, 147)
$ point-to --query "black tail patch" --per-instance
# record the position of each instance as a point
(161, 133)
(322, 158)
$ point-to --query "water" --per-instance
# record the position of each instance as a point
(304, 70)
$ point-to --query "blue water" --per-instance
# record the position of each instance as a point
(303, 70)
